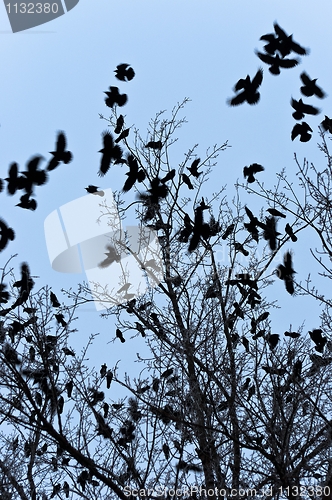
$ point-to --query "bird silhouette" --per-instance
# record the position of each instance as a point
(187, 230)
(270, 232)
(25, 284)
(119, 335)
(60, 319)
(14, 182)
(111, 256)
(134, 174)
(4, 296)
(94, 190)
(240, 248)
(169, 176)
(109, 378)
(249, 172)
(273, 339)
(200, 228)
(1, 185)
(110, 152)
(186, 180)
(69, 388)
(228, 231)
(250, 92)
(60, 154)
(27, 202)
(151, 200)
(276, 62)
(6, 234)
(33, 176)
(281, 42)
(119, 124)
(318, 339)
(68, 352)
(290, 233)
(285, 272)
(303, 130)
(327, 124)
(193, 168)
(114, 97)
(123, 135)
(275, 212)
(292, 335)
(310, 87)
(54, 300)
(154, 145)
(301, 109)
(124, 72)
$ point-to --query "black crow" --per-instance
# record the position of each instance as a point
(276, 62)
(270, 232)
(124, 72)
(109, 378)
(318, 339)
(228, 231)
(250, 87)
(154, 145)
(187, 230)
(249, 172)
(1, 185)
(33, 176)
(240, 248)
(27, 202)
(4, 296)
(69, 388)
(193, 168)
(14, 182)
(276, 213)
(6, 234)
(114, 97)
(292, 335)
(200, 229)
(60, 319)
(111, 256)
(103, 370)
(119, 335)
(310, 87)
(94, 190)
(167, 373)
(273, 339)
(119, 124)
(287, 44)
(169, 176)
(123, 135)
(60, 154)
(302, 109)
(54, 300)
(303, 130)
(68, 352)
(327, 124)
(157, 191)
(285, 272)
(290, 233)
(134, 174)
(106, 408)
(186, 180)
(109, 152)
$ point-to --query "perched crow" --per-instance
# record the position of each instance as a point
(119, 124)
(303, 130)
(167, 373)
(273, 339)
(285, 272)
(4, 296)
(154, 145)
(109, 378)
(6, 234)
(134, 174)
(249, 172)
(187, 230)
(302, 109)
(200, 229)
(111, 256)
(327, 124)
(292, 335)
(118, 333)
(54, 300)
(166, 450)
(249, 92)
(68, 352)
(228, 231)
(123, 135)
(14, 182)
(186, 180)
(60, 319)
(270, 232)
(27, 202)
(103, 370)
(276, 213)
(290, 233)
(109, 152)
(124, 72)
(169, 176)
(114, 97)
(33, 176)
(193, 168)
(276, 62)
(157, 191)
(60, 154)
(94, 190)
(310, 87)
(69, 388)
(318, 339)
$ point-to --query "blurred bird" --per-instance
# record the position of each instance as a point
(154, 145)
(302, 109)
(124, 288)
(33, 176)
(193, 168)
(282, 43)
(14, 182)
(60, 154)
(69, 388)
(187, 230)
(109, 152)
(240, 248)
(134, 174)
(290, 233)
(157, 191)
(275, 212)
(250, 87)
(54, 300)
(200, 229)
(114, 97)
(4, 296)
(292, 335)
(310, 87)
(276, 62)
(119, 124)
(27, 202)
(6, 234)
(270, 232)
(167, 373)
(1, 185)
(111, 256)
(303, 130)
(124, 72)
(94, 190)
(249, 172)
(123, 135)
(60, 319)
(186, 180)
(285, 272)
(228, 231)
(119, 335)
(327, 124)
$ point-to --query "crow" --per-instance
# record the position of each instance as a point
(318, 339)
(285, 272)
(310, 87)
(327, 124)
(119, 335)
(273, 339)
(111, 256)
(119, 124)
(124, 72)
(240, 248)
(292, 335)
(103, 370)
(154, 145)
(4, 296)
(186, 180)
(14, 182)
(276, 62)
(124, 288)
(134, 174)
(303, 130)
(33, 176)
(1, 185)
(169, 176)
(25, 284)
(6, 234)
(123, 135)
(54, 300)
(250, 87)
(193, 168)
(94, 190)
(167, 373)
(68, 352)
(228, 231)
(109, 378)
(270, 232)
(69, 388)
(157, 191)
(276, 213)
(302, 109)
(200, 229)
(287, 44)
(290, 233)
(114, 97)
(166, 450)
(109, 152)
(187, 230)
(249, 172)
(27, 202)
(60, 319)
(60, 154)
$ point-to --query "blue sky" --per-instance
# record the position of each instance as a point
(54, 76)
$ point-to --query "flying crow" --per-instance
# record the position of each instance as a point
(249, 93)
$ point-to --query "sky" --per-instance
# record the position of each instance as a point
(54, 76)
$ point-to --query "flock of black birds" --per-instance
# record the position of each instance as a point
(280, 45)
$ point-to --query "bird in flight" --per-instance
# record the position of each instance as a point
(249, 89)
(249, 172)
(193, 168)
(187, 181)
(33, 176)
(94, 190)
(14, 182)
(6, 234)
(25, 284)
(303, 130)
(285, 272)
(310, 87)
(60, 154)
(134, 174)
(54, 300)
(270, 232)
(327, 124)
(281, 42)
(114, 97)
(124, 72)
(110, 152)
(301, 109)
(276, 62)
(123, 135)
(111, 256)
(27, 202)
